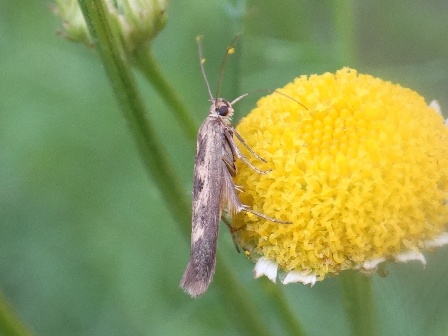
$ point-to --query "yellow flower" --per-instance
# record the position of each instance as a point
(362, 174)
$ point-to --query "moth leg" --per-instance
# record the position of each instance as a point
(240, 155)
(226, 220)
(229, 198)
(239, 188)
(230, 167)
(231, 230)
(259, 214)
(240, 138)
(234, 204)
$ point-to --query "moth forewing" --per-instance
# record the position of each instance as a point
(208, 170)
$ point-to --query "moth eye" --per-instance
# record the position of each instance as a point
(223, 110)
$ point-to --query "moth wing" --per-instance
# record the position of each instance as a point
(229, 197)
(208, 181)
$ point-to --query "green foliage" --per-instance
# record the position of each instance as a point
(87, 244)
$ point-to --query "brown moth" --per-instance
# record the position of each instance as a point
(213, 187)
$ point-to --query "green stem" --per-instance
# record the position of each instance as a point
(147, 63)
(118, 69)
(124, 85)
(242, 307)
(289, 320)
(343, 11)
(357, 293)
(10, 324)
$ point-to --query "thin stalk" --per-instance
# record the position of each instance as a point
(118, 69)
(148, 65)
(243, 308)
(10, 324)
(344, 22)
(290, 322)
(124, 85)
(357, 294)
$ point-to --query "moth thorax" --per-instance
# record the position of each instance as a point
(222, 108)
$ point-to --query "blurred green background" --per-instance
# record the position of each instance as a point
(87, 246)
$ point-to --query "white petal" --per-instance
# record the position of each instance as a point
(438, 241)
(294, 276)
(436, 106)
(409, 256)
(372, 263)
(266, 267)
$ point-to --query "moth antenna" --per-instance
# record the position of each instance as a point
(267, 90)
(288, 96)
(230, 51)
(201, 64)
(237, 99)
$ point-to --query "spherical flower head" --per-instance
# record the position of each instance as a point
(361, 172)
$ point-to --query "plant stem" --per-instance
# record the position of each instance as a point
(343, 11)
(123, 82)
(147, 63)
(243, 308)
(357, 293)
(290, 322)
(10, 324)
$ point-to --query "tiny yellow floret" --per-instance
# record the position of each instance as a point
(362, 173)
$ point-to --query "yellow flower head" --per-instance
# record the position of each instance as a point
(362, 174)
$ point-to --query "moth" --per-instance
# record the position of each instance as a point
(213, 187)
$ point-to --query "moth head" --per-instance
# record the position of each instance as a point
(221, 108)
